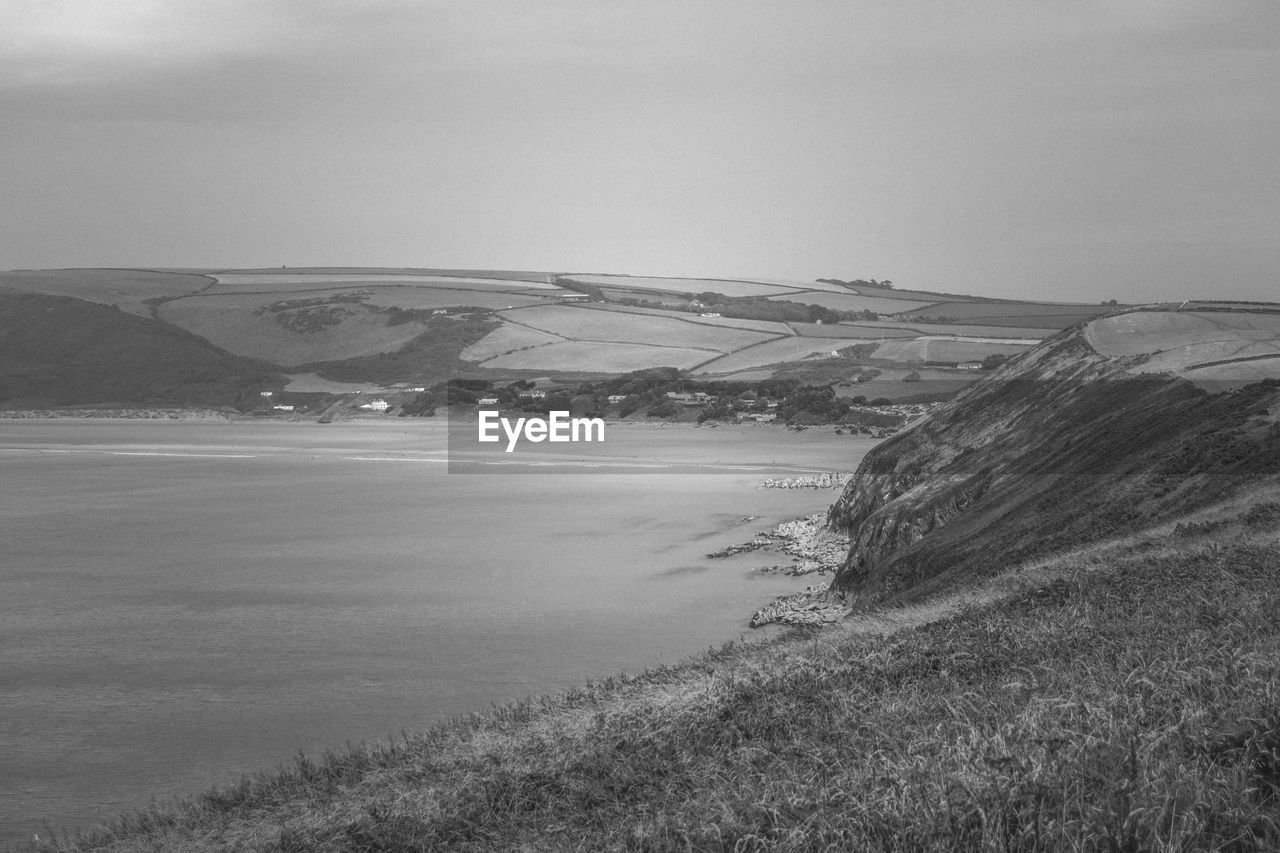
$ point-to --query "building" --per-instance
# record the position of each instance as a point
(535, 394)
(376, 405)
(266, 393)
(281, 407)
(709, 314)
(487, 401)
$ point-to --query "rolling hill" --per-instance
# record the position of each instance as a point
(57, 350)
(1103, 428)
(1063, 635)
(415, 326)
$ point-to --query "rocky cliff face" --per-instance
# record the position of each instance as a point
(1059, 446)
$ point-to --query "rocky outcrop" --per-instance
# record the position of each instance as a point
(1060, 445)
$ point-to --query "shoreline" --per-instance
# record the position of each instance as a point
(814, 549)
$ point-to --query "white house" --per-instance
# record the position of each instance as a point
(376, 405)
(535, 394)
(617, 398)
(487, 401)
(709, 314)
(280, 407)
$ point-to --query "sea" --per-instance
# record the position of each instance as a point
(185, 602)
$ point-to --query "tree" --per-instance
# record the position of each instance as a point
(994, 360)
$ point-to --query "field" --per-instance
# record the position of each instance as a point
(768, 327)
(944, 350)
(773, 352)
(364, 312)
(685, 285)
(921, 295)
(276, 282)
(508, 338)
(1207, 346)
(585, 324)
(235, 324)
(1016, 313)
(574, 357)
(421, 298)
(126, 288)
(853, 302)
(951, 329)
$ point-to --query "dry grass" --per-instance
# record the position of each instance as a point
(848, 301)
(588, 324)
(1125, 696)
(687, 285)
(578, 356)
(782, 350)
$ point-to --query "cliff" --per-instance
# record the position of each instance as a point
(1062, 445)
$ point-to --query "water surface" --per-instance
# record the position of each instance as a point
(182, 603)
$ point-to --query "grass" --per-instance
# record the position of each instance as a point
(1059, 315)
(243, 325)
(728, 287)
(598, 357)
(1125, 696)
(849, 301)
(59, 351)
(584, 324)
(130, 289)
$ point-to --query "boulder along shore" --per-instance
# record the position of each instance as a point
(814, 549)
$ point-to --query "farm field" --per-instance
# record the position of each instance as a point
(1203, 346)
(773, 352)
(228, 282)
(919, 295)
(685, 285)
(768, 327)
(357, 314)
(236, 326)
(586, 324)
(1058, 315)
(843, 330)
(126, 288)
(946, 350)
(423, 298)
(579, 357)
(666, 297)
(507, 275)
(852, 302)
(508, 338)
(914, 329)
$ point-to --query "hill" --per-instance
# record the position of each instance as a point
(1066, 638)
(57, 350)
(1095, 432)
(392, 326)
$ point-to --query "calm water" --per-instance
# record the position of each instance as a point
(182, 603)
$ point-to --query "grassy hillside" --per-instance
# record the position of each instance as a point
(1122, 697)
(56, 350)
(1060, 446)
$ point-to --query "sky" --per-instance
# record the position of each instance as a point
(1017, 148)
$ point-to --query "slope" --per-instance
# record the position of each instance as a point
(56, 350)
(1060, 446)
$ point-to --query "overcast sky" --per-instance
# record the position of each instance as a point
(1025, 148)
